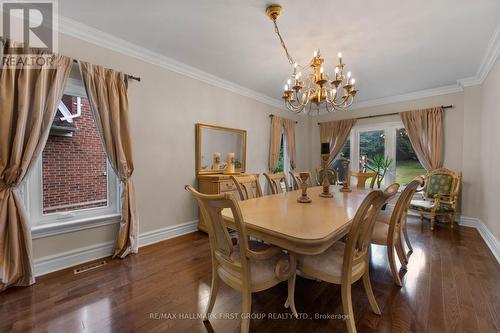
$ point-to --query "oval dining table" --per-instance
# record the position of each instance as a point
(304, 228)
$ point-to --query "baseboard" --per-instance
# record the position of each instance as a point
(78, 256)
(159, 235)
(490, 240)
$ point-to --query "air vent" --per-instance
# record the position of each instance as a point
(89, 267)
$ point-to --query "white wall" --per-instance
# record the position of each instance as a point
(488, 174)
(164, 108)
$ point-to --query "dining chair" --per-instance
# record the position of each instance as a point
(275, 181)
(390, 225)
(248, 186)
(332, 175)
(244, 265)
(346, 263)
(362, 177)
(296, 181)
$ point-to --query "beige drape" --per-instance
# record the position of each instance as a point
(289, 131)
(425, 131)
(107, 93)
(29, 98)
(335, 133)
(274, 146)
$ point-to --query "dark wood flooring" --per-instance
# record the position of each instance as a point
(452, 285)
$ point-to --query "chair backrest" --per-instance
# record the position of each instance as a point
(296, 181)
(248, 186)
(362, 177)
(400, 210)
(359, 237)
(392, 189)
(275, 180)
(442, 181)
(221, 244)
(332, 175)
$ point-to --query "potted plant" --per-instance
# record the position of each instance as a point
(379, 164)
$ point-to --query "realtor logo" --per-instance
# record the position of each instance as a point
(32, 23)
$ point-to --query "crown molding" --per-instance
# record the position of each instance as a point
(444, 90)
(491, 55)
(81, 31)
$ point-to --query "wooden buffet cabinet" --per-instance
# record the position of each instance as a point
(215, 184)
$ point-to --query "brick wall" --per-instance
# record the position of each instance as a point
(73, 168)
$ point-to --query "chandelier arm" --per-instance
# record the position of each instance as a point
(277, 30)
(298, 100)
(293, 107)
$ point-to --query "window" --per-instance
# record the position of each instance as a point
(337, 163)
(283, 164)
(407, 164)
(72, 184)
(390, 141)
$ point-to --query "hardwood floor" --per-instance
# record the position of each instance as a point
(452, 285)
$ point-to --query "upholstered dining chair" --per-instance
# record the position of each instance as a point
(362, 177)
(296, 181)
(345, 263)
(390, 227)
(440, 196)
(248, 186)
(244, 265)
(276, 182)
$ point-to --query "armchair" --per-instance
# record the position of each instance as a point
(439, 195)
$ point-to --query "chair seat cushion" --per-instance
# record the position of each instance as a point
(262, 272)
(327, 266)
(426, 205)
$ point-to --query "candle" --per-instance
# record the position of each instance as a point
(325, 148)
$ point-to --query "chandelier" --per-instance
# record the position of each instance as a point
(316, 87)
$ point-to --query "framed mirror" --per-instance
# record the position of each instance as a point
(215, 145)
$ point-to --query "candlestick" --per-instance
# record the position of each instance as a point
(347, 176)
(303, 184)
(230, 163)
(326, 184)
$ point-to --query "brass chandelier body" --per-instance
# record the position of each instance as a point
(317, 89)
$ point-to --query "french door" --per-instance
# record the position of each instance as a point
(370, 140)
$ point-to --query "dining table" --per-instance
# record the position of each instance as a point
(304, 228)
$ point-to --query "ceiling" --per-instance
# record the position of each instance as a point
(392, 47)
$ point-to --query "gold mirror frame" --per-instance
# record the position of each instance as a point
(199, 127)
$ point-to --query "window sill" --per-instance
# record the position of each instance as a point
(52, 229)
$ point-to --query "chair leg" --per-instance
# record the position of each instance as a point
(407, 240)
(246, 310)
(347, 305)
(433, 221)
(452, 219)
(290, 301)
(401, 253)
(213, 293)
(369, 292)
(392, 264)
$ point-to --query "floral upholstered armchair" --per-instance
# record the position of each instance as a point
(440, 195)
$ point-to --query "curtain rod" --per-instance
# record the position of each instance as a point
(395, 113)
(272, 115)
(138, 79)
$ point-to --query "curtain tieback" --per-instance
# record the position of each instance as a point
(4, 187)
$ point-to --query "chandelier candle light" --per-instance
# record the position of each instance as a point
(317, 87)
